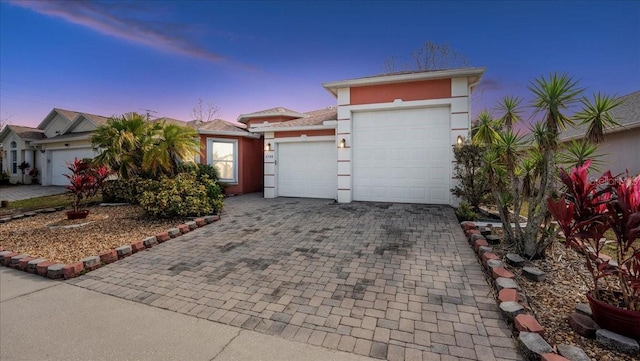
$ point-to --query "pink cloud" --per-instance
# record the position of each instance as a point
(103, 19)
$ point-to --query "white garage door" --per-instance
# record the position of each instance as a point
(402, 156)
(307, 169)
(58, 163)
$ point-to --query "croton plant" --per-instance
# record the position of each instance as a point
(85, 180)
(589, 208)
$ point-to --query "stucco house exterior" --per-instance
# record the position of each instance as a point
(621, 148)
(389, 139)
(236, 153)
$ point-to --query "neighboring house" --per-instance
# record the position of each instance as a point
(68, 136)
(16, 146)
(389, 139)
(621, 147)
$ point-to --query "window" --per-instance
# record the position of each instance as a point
(223, 154)
(14, 158)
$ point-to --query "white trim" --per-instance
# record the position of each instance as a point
(431, 103)
(210, 142)
(293, 129)
(323, 138)
(62, 140)
(401, 78)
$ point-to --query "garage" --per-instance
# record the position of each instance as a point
(402, 156)
(307, 169)
(58, 165)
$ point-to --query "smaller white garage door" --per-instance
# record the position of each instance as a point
(58, 165)
(307, 169)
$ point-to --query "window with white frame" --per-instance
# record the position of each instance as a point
(223, 154)
(13, 158)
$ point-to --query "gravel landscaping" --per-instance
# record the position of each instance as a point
(55, 238)
(554, 299)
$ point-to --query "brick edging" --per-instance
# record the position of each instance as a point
(529, 332)
(54, 270)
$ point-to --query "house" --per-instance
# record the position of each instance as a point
(67, 136)
(621, 147)
(235, 152)
(389, 139)
(16, 146)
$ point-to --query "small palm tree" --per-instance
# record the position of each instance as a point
(485, 133)
(553, 97)
(576, 153)
(509, 107)
(174, 144)
(596, 115)
(122, 140)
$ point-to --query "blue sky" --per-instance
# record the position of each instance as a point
(114, 57)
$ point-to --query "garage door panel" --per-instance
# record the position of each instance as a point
(59, 159)
(402, 156)
(307, 169)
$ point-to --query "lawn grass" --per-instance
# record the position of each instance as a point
(58, 200)
(611, 248)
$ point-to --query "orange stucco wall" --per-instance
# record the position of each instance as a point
(417, 90)
(250, 158)
(261, 120)
(310, 133)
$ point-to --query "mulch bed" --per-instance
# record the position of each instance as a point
(553, 300)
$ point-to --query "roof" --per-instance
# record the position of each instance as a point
(222, 127)
(273, 112)
(172, 121)
(406, 76)
(97, 119)
(626, 114)
(69, 114)
(315, 119)
(27, 133)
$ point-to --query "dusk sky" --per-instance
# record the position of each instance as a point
(112, 57)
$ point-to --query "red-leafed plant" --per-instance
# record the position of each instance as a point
(85, 180)
(586, 210)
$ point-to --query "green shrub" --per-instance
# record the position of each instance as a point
(121, 190)
(182, 196)
(464, 212)
(200, 170)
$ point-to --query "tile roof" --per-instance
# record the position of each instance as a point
(314, 117)
(277, 111)
(219, 125)
(626, 114)
(27, 133)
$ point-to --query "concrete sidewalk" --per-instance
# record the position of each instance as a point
(16, 193)
(42, 319)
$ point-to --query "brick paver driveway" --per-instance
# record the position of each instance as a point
(391, 281)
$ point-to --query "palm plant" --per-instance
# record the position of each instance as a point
(577, 152)
(596, 115)
(485, 133)
(124, 140)
(173, 145)
(509, 106)
(552, 97)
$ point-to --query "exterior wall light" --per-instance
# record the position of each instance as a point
(267, 147)
(342, 144)
(460, 140)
